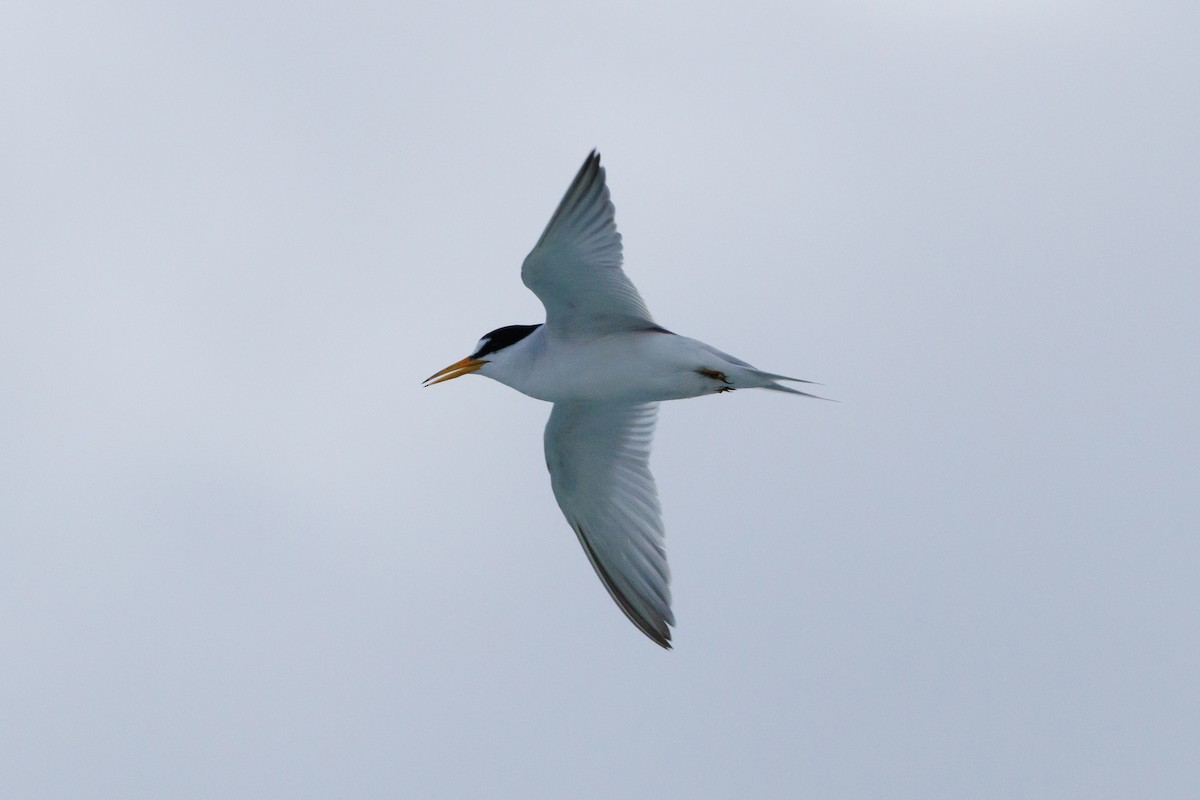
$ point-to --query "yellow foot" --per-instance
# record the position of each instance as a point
(717, 375)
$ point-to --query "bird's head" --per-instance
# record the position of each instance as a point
(493, 348)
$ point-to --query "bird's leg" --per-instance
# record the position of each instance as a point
(717, 375)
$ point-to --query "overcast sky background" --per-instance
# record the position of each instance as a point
(244, 554)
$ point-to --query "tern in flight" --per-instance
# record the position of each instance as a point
(605, 364)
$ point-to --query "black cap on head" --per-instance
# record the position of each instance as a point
(502, 338)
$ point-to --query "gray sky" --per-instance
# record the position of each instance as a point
(245, 555)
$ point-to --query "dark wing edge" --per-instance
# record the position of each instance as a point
(588, 197)
(575, 267)
(655, 627)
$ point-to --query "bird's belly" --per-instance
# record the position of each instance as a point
(639, 368)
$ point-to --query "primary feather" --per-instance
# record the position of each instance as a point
(575, 268)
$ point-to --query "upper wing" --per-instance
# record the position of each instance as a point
(599, 460)
(575, 268)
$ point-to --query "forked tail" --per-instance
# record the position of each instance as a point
(769, 380)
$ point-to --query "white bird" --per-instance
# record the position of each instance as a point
(605, 364)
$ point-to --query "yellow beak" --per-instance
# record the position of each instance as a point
(455, 370)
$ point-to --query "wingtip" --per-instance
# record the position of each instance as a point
(592, 162)
(662, 638)
(657, 631)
